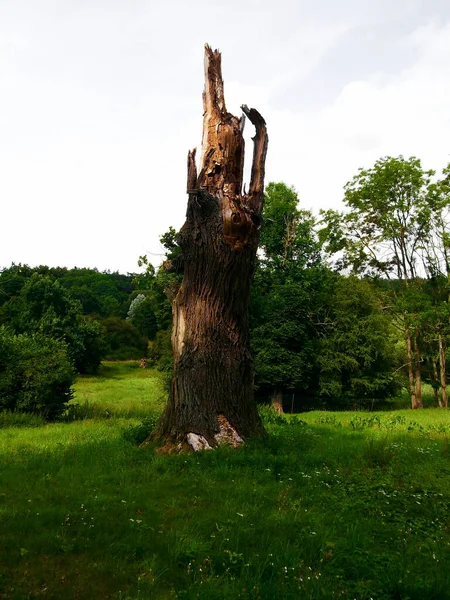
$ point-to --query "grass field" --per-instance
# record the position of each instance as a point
(330, 505)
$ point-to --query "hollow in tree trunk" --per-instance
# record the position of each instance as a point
(212, 399)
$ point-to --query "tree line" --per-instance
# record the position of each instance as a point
(346, 307)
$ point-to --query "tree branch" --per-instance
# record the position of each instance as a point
(260, 141)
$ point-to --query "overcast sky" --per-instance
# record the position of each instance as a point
(100, 101)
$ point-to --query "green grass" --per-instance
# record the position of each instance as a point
(330, 505)
(120, 390)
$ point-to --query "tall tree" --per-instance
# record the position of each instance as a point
(211, 399)
(285, 298)
(383, 234)
(436, 262)
(357, 356)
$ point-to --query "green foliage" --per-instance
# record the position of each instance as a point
(136, 434)
(390, 215)
(286, 296)
(100, 294)
(123, 341)
(284, 339)
(154, 285)
(44, 306)
(287, 233)
(315, 333)
(91, 346)
(35, 374)
(395, 229)
(170, 242)
(357, 355)
(160, 351)
(142, 316)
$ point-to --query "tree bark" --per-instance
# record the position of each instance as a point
(435, 383)
(212, 398)
(418, 403)
(277, 402)
(415, 402)
(443, 373)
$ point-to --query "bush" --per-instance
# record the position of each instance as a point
(91, 346)
(35, 374)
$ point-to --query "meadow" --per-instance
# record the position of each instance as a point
(329, 505)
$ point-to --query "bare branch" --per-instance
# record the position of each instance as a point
(260, 141)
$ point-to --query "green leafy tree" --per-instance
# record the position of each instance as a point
(389, 219)
(36, 374)
(288, 232)
(142, 316)
(44, 306)
(357, 355)
(285, 298)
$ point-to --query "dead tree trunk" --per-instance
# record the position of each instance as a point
(212, 399)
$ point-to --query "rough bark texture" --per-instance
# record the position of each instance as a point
(212, 399)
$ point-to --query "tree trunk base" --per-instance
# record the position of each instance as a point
(277, 402)
(194, 442)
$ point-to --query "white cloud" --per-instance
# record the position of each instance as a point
(381, 115)
(100, 101)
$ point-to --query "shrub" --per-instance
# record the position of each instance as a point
(91, 346)
(35, 374)
(123, 340)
